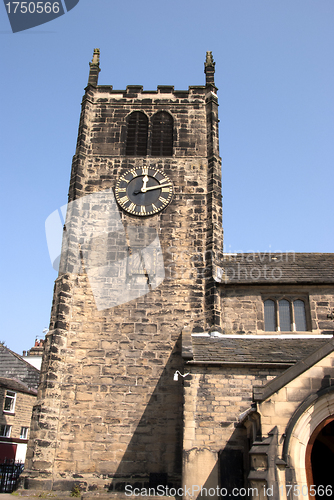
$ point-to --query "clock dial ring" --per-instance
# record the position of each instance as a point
(144, 191)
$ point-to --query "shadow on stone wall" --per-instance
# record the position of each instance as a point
(233, 464)
(154, 454)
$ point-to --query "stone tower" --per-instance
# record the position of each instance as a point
(142, 237)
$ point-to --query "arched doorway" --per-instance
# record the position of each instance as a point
(302, 431)
(320, 459)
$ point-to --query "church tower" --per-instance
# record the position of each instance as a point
(141, 242)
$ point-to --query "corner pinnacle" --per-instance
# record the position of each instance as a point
(209, 70)
(94, 68)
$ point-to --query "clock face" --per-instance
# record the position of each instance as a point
(144, 191)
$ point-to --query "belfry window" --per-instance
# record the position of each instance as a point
(137, 131)
(284, 315)
(162, 134)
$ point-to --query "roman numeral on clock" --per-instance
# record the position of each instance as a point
(143, 191)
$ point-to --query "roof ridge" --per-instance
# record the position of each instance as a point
(20, 358)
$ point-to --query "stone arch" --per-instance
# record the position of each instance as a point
(162, 134)
(304, 426)
(309, 464)
(137, 134)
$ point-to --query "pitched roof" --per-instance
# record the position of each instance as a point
(15, 385)
(274, 268)
(284, 350)
(13, 366)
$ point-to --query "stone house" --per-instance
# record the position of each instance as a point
(16, 403)
(18, 391)
(145, 294)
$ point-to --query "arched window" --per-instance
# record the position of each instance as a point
(162, 134)
(284, 315)
(269, 316)
(136, 140)
(300, 315)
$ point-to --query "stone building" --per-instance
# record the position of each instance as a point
(261, 390)
(145, 294)
(16, 402)
(18, 391)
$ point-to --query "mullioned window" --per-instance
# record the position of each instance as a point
(284, 315)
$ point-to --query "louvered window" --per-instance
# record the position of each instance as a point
(136, 141)
(162, 134)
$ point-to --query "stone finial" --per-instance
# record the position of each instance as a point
(96, 57)
(209, 59)
(209, 69)
(94, 68)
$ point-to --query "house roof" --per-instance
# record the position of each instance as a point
(275, 268)
(16, 385)
(13, 366)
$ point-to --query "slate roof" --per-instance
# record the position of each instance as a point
(250, 350)
(273, 268)
(13, 366)
(15, 385)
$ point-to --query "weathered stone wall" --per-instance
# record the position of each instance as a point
(102, 128)
(242, 306)
(108, 409)
(22, 414)
(278, 409)
(321, 304)
(108, 130)
(214, 399)
(294, 413)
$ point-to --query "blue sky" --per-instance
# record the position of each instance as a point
(274, 71)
